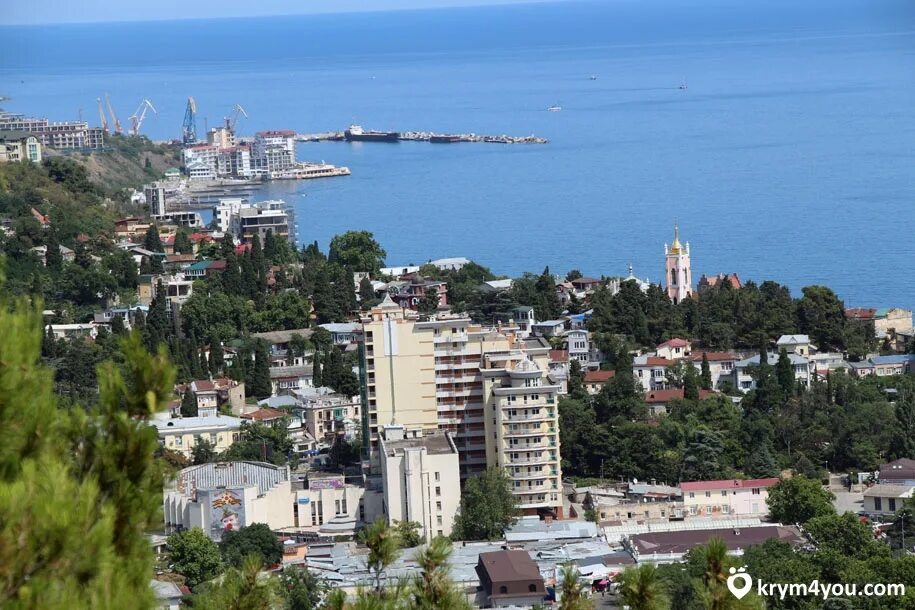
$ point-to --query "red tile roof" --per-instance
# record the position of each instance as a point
(655, 361)
(712, 281)
(204, 385)
(264, 414)
(599, 376)
(860, 313)
(727, 484)
(559, 355)
(675, 342)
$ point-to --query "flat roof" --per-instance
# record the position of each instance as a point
(435, 444)
(735, 538)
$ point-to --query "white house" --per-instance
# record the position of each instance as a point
(673, 349)
(797, 344)
(744, 370)
(651, 372)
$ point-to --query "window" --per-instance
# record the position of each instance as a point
(503, 589)
(708, 494)
(755, 491)
(438, 506)
(438, 520)
(878, 504)
(337, 506)
(692, 494)
(532, 588)
(724, 493)
(438, 477)
(892, 504)
(343, 504)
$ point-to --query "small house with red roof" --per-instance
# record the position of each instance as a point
(720, 364)
(651, 372)
(674, 349)
(595, 380)
(727, 498)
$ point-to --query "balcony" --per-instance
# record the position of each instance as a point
(526, 461)
(529, 417)
(532, 431)
(450, 338)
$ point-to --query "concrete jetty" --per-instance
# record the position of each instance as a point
(429, 136)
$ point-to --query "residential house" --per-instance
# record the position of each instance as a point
(659, 400)
(73, 331)
(731, 498)
(706, 282)
(883, 366)
(399, 271)
(280, 342)
(885, 500)
(594, 381)
(549, 328)
(344, 333)
(721, 365)
(284, 379)
(19, 146)
(128, 315)
(410, 292)
(183, 433)
(510, 578)
(586, 285)
(651, 372)
(795, 344)
(578, 345)
(496, 285)
(523, 317)
(326, 413)
(897, 472)
(450, 264)
(674, 349)
(265, 415)
(746, 380)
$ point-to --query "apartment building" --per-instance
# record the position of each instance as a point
(731, 497)
(522, 424)
(420, 476)
(63, 135)
(425, 375)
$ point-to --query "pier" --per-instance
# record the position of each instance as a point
(429, 136)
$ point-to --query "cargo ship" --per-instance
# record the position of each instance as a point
(445, 139)
(355, 133)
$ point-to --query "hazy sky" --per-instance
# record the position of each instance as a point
(69, 11)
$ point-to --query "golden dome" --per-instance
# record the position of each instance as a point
(676, 247)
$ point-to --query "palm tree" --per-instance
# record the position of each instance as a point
(641, 588)
(574, 596)
(712, 590)
(384, 548)
(243, 588)
(433, 589)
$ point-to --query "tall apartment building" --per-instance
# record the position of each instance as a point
(155, 198)
(522, 425)
(432, 374)
(274, 150)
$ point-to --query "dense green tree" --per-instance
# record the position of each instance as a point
(367, 293)
(203, 452)
(798, 499)
(357, 251)
(821, 315)
(428, 304)
(182, 243)
(151, 240)
(784, 373)
(576, 380)
(572, 592)
(690, 383)
(241, 588)
(258, 384)
(432, 589)
(194, 555)
(488, 507)
(706, 373)
(188, 403)
(408, 534)
(302, 590)
(260, 442)
(255, 539)
(53, 258)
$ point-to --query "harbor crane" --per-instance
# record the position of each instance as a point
(103, 122)
(136, 120)
(114, 117)
(189, 127)
(233, 119)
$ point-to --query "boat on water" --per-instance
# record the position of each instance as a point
(309, 171)
(683, 86)
(444, 139)
(356, 133)
(554, 108)
(593, 77)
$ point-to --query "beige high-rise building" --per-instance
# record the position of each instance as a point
(440, 374)
(522, 424)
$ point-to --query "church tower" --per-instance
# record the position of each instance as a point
(678, 276)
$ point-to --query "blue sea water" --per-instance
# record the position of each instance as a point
(791, 155)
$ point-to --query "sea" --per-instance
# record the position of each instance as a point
(789, 155)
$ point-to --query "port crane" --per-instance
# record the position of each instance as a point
(136, 120)
(233, 119)
(114, 117)
(103, 122)
(189, 126)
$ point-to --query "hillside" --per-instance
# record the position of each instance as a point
(126, 162)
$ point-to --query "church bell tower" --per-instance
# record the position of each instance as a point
(678, 277)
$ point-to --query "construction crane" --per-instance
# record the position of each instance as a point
(114, 117)
(136, 120)
(103, 122)
(233, 119)
(189, 127)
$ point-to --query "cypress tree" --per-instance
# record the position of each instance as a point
(258, 264)
(690, 385)
(151, 240)
(157, 321)
(706, 373)
(188, 403)
(270, 250)
(784, 372)
(216, 359)
(53, 258)
(258, 383)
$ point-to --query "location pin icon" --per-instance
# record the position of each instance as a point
(739, 582)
